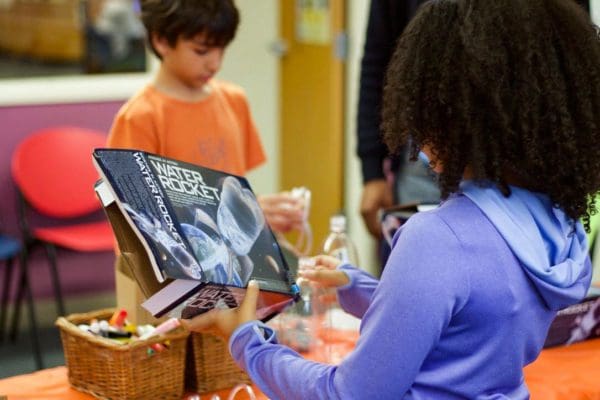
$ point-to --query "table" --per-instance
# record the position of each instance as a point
(53, 384)
(566, 373)
(561, 373)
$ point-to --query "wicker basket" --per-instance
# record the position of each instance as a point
(210, 366)
(110, 370)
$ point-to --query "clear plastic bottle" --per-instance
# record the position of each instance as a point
(338, 244)
(298, 326)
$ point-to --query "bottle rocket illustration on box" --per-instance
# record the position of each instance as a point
(194, 237)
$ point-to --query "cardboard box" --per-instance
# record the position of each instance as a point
(575, 323)
(190, 241)
(130, 297)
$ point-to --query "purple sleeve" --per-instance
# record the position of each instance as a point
(409, 309)
(356, 295)
(279, 371)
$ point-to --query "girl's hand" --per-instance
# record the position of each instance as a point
(325, 272)
(222, 322)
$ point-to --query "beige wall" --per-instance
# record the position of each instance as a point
(357, 14)
(249, 63)
(595, 11)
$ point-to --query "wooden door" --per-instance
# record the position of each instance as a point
(311, 96)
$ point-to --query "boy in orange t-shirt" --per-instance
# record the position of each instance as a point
(187, 115)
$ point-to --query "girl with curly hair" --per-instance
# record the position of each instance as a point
(504, 98)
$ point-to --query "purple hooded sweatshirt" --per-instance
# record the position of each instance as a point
(464, 303)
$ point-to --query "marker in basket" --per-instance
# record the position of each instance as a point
(165, 327)
(157, 347)
(118, 318)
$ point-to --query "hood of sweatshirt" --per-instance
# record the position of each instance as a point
(552, 248)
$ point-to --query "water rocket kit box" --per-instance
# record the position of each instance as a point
(192, 237)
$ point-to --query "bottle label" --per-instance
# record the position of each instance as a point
(341, 254)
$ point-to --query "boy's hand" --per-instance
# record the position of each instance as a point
(283, 211)
(325, 272)
(222, 322)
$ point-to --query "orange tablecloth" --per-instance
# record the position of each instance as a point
(560, 373)
(566, 373)
(53, 384)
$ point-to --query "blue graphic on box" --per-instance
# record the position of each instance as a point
(221, 248)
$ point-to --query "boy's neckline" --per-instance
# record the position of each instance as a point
(171, 95)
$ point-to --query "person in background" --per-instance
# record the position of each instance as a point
(509, 119)
(189, 115)
(411, 181)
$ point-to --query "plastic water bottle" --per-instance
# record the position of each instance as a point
(298, 326)
(338, 244)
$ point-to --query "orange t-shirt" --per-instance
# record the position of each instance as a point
(217, 132)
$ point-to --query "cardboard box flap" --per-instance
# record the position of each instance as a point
(136, 264)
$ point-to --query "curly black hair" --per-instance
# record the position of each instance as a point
(172, 19)
(509, 89)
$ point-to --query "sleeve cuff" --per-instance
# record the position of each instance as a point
(372, 168)
(252, 331)
(348, 269)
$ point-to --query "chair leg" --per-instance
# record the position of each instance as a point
(60, 305)
(24, 288)
(22, 283)
(5, 297)
(35, 337)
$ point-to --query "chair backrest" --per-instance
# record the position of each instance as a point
(53, 170)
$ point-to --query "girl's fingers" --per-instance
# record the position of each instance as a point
(327, 261)
(326, 277)
(202, 322)
(247, 310)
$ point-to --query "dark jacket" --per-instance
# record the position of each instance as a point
(387, 20)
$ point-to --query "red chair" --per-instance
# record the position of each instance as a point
(55, 178)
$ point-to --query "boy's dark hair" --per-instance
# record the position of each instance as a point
(509, 88)
(172, 19)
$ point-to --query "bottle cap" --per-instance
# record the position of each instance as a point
(337, 223)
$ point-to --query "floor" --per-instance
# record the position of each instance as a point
(17, 358)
